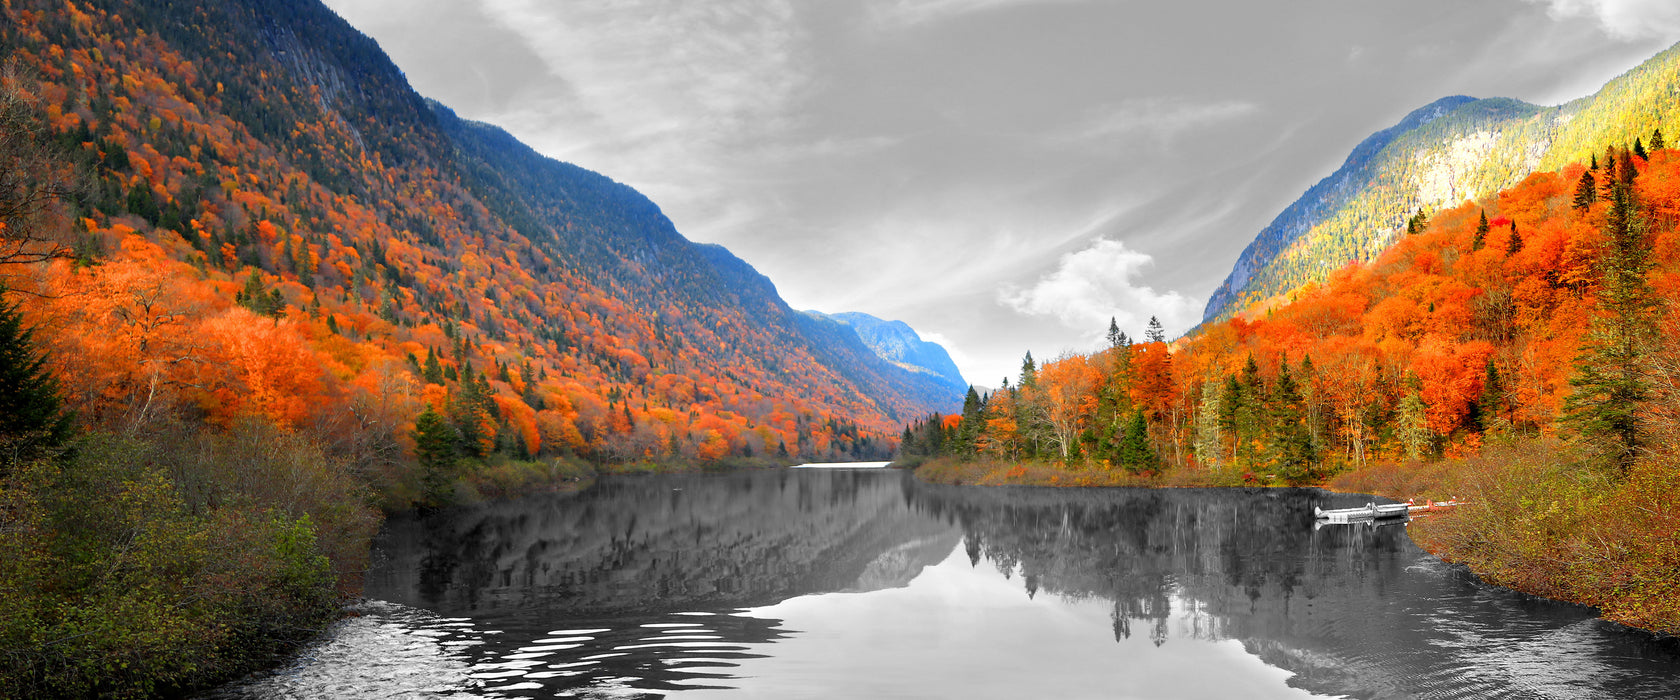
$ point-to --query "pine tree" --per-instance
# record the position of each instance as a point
(1492, 399)
(1586, 191)
(435, 443)
(1155, 333)
(1515, 242)
(1114, 334)
(1136, 454)
(1639, 150)
(1481, 232)
(1657, 142)
(33, 422)
(1610, 381)
(1417, 223)
(1292, 450)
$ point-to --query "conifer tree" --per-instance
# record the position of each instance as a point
(1639, 149)
(1657, 142)
(1292, 450)
(1481, 232)
(1417, 223)
(1515, 242)
(435, 448)
(1412, 426)
(1611, 381)
(1136, 454)
(1114, 334)
(1209, 437)
(1155, 333)
(1492, 399)
(1586, 191)
(33, 422)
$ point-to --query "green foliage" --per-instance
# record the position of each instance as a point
(1480, 239)
(259, 299)
(1412, 427)
(435, 442)
(116, 587)
(33, 421)
(1136, 454)
(1612, 380)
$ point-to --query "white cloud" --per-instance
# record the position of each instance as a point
(1100, 282)
(1623, 19)
(903, 14)
(663, 96)
(1159, 117)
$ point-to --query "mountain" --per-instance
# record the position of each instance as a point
(898, 343)
(310, 240)
(1450, 151)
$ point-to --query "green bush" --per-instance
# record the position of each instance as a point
(115, 587)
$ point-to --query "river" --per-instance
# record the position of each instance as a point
(869, 584)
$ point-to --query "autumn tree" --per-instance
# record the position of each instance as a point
(31, 178)
(1417, 223)
(1069, 392)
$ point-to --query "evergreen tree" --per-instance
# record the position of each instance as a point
(1136, 454)
(1292, 453)
(1639, 150)
(1515, 242)
(1611, 381)
(435, 448)
(1657, 142)
(1492, 400)
(973, 421)
(1417, 223)
(432, 372)
(1481, 232)
(1029, 371)
(33, 422)
(1114, 334)
(1586, 191)
(1155, 333)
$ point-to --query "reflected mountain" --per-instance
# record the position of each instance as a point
(649, 544)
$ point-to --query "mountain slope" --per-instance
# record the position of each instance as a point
(898, 343)
(1452, 150)
(326, 241)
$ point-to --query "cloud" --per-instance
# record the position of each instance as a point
(1623, 19)
(664, 96)
(1161, 118)
(1091, 286)
(905, 14)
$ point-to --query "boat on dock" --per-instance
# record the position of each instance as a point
(1370, 511)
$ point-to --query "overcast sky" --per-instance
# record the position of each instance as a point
(1003, 175)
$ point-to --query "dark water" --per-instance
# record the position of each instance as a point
(866, 584)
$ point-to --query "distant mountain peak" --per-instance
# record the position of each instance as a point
(898, 343)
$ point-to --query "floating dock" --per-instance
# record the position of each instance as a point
(1370, 511)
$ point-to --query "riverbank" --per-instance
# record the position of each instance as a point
(1540, 518)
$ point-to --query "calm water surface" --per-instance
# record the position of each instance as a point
(866, 584)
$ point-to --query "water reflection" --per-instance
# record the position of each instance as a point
(823, 583)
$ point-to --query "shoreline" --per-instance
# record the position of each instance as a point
(949, 472)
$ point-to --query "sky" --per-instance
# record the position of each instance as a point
(1002, 175)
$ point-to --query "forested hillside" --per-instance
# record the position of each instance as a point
(270, 221)
(1441, 155)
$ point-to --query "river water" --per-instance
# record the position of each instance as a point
(868, 584)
